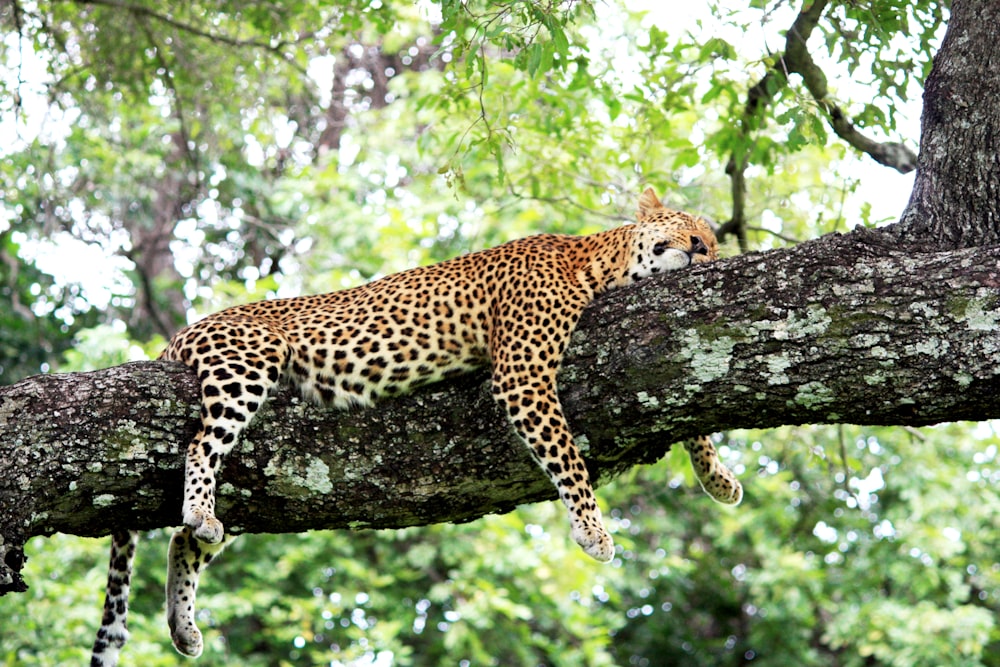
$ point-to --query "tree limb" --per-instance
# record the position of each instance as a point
(796, 59)
(847, 329)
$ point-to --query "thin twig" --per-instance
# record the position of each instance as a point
(778, 235)
(185, 138)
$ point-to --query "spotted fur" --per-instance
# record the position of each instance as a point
(511, 308)
(114, 633)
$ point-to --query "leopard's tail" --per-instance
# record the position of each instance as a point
(113, 632)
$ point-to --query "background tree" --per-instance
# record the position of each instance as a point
(230, 151)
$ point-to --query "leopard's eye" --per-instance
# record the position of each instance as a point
(698, 246)
(660, 248)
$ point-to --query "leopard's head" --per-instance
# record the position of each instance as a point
(665, 240)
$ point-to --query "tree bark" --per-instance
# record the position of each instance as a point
(843, 329)
(957, 187)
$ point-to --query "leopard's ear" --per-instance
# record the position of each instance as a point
(647, 203)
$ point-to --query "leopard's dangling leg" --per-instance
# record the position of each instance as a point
(537, 417)
(715, 478)
(113, 633)
(188, 556)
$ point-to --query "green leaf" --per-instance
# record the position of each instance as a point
(534, 58)
(559, 39)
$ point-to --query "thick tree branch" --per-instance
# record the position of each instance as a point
(848, 329)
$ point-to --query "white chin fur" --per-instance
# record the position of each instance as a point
(671, 260)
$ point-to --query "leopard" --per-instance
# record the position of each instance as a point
(511, 308)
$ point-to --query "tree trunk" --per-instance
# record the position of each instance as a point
(842, 329)
(955, 196)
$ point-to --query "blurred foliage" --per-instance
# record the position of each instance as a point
(195, 155)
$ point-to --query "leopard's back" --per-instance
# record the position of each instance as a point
(387, 336)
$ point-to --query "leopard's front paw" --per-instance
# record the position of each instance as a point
(595, 541)
(204, 526)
